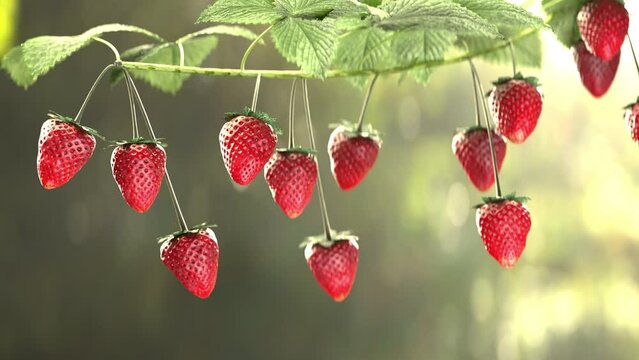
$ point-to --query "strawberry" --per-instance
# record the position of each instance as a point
(352, 154)
(333, 263)
(516, 106)
(192, 256)
(603, 24)
(632, 120)
(247, 142)
(472, 149)
(291, 176)
(138, 168)
(503, 225)
(63, 149)
(596, 74)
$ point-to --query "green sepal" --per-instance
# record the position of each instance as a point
(530, 79)
(509, 197)
(266, 118)
(297, 150)
(55, 116)
(322, 241)
(351, 130)
(139, 140)
(193, 230)
(630, 106)
(471, 129)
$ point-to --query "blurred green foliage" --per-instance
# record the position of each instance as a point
(8, 11)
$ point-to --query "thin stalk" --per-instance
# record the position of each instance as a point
(250, 48)
(320, 188)
(290, 74)
(476, 96)
(134, 118)
(291, 116)
(360, 123)
(111, 46)
(78, 117)
(512, 57)
(169, 184)
(256, 92)
(488, 129)
(634, 55)
(181, 50)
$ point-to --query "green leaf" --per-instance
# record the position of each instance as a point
(442, 15)
(39, 55)
(364, 49)
(308, 43)
(195, 51)
(222, 30)
(528, 50)
(241, 12)
(305, 9)
(502, 13)
(412, 46)
(562, 17)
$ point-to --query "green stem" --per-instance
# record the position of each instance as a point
(488, 128)
(512, 57)
(169, 184)
(634, 55)
(256, 92)
(290, 74)
(250, 48)
(476, 96)
(291, 116)
(78, 117)
(181, 50)
(320, 188)
(360, 123)
(111, 46)
(134, 118)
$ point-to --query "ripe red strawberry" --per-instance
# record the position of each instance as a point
(632, 120)
(603, 25)
(334, 264)
(63, 149)
(247, 142)
(596, 74)
(193, 258)
(472, 149)
(291, 176)
(516, 107)
(352, 154)
(503, 225)
(138, 168)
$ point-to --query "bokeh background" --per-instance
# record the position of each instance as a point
(80, 273)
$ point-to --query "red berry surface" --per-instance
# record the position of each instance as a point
(193, 259)
(596, 74)
(138, 169)
(632, 121)
(247, 144)
(472, 149)
(352, 156)
(503, 227)
(63, 149)
(334, 267)
(516, 107)
(603, 25)
(291, 176)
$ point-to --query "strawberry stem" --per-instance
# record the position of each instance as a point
(291, 116)
(634, 55)
(134, 118)
(181, 50)
(488, 128)
(78, 117)
(256, 92)
(360, 123)
(320, 188)
(512, 57)
(169, 184)
(250, 48)
(476, 96)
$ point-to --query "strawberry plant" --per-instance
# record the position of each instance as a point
(361, 41)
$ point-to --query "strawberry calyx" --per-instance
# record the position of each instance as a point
(530, 79)
(470, 130)
(65, 119)
(262, 116)
(193, 230)
(497, 200)
(324, 242)
(351, 131)
(630, 106)
(139, 140)
(297, 150)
